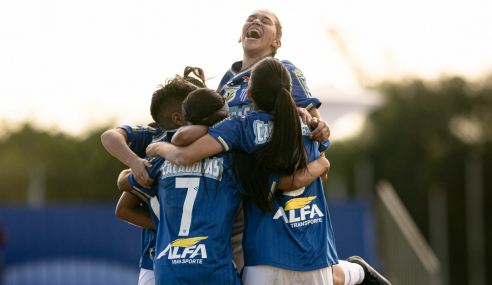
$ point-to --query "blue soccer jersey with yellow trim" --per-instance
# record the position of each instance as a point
(198, 206)
(149, 236)
(139, 137)
(234, 85)
(298, 235)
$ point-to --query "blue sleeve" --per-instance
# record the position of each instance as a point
(229, 133)
(154, 173)
(169, 135)
(223, 82)
(300, 91)
(324, 145)
(139, 137)
(148, 193)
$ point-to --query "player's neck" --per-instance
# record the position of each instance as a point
(167, 125)
(249, 59)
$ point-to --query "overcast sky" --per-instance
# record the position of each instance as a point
(76, 64)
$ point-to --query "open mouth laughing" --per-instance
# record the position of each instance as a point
(254, 33)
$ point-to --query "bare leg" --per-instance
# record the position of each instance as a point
(338, 275)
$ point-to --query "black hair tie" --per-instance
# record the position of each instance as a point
(278, 87)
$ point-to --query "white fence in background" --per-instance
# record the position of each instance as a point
(407, 256)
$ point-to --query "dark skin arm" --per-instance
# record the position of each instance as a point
(130, 210)
(305, 176)
(123, 183)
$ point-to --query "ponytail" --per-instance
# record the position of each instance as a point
(285, 152)
(198, 72)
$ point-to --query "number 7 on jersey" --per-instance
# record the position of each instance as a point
(192, 184)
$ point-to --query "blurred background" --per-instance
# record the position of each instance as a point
(406, 88)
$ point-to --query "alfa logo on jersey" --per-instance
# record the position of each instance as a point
(301, 212)
(185, 251)
(230, 93)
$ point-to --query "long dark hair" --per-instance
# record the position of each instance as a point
(285, 153)
(201, 106)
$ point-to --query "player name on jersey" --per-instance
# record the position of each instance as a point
(209, 167)
(300, 213)
(263, 132)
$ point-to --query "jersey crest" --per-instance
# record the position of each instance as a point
(230, 92)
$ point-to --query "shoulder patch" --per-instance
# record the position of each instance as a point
(302, 81)
(141, 128)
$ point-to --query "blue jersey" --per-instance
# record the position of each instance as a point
(298, 235)
(234, 85)
(139, 137)
(149, 236)
(198, 205)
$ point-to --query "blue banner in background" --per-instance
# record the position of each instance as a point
(67, 231)
(86, 244)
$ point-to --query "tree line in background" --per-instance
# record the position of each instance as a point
(419, 140)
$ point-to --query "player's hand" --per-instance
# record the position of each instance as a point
(139, 170)
(324, 176)
(321, 132)
(306, 117)
(151, 150)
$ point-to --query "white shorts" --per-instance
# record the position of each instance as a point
(270, 275)
(146, 277)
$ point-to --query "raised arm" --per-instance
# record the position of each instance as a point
(130, 210)
(305, 176)
(115, 142)
(201, 148)
(187, 135)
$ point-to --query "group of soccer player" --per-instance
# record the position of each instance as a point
(227, 183)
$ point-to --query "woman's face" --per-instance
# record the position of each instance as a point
(259, 33)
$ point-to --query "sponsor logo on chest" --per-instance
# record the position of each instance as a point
(300, 212)
(185, 251)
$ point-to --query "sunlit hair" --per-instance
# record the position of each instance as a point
(198, 72)
(285, 153)
(169, 97)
